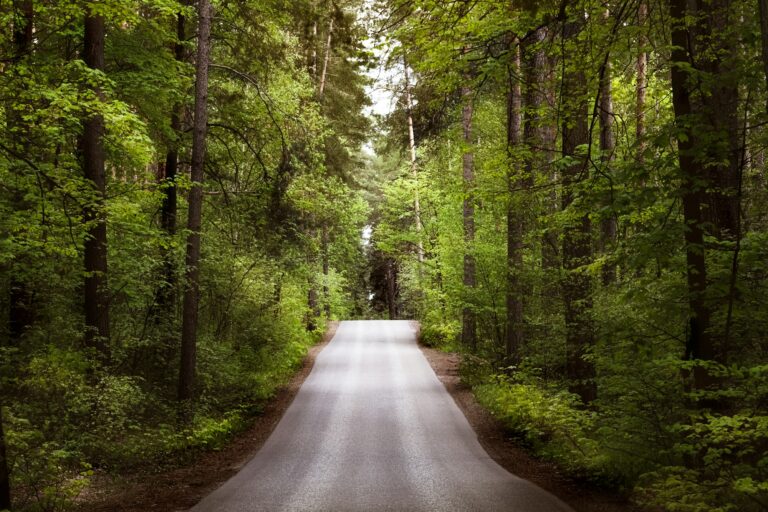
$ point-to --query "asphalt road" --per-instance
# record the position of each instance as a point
(373, 429)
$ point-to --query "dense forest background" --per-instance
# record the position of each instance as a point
(570, 193)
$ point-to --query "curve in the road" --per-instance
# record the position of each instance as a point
(373, 429)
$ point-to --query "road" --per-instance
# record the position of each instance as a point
(373, 429)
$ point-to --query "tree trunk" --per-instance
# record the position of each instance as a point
(518, 181)
(5, 480)
(326, 274)
(577, 237)
(698, 343)
(642, 84)
(607, 146)
(313, 58)
(414, 169)
(391, 277)
(327, 58)
(168, 211)
(192, 282)
(94, 214)
(468, 327)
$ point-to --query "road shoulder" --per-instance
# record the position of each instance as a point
(503, 449)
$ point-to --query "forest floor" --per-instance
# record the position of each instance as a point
(507, 452)
(180, 488)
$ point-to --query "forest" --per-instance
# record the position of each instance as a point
(570, 194)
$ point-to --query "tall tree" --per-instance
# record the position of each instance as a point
(168, 210)
(414, 166)
(97, 296)
(607, 146)
(577, 234)
(642, 82)
(707, 171)
(194, 221)
(518, 180)
(469, 320)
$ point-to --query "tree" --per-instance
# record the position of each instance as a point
(97, 296)
(468, 325)
(577, 242)
(518, 182)
(194, 220)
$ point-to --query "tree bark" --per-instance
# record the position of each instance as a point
(518, 181)
(694, 116)
(327, 58)
(96, 288)
(607, 146)
(642, 84)
(168, 211)
(577, 237)
(326, 273)
(414, 169)
(194, 221)
(698, 340)
(391, 276)
(469, 327)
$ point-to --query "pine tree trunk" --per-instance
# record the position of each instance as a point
(698, 343)
(168, 211)
(194, 221)
(96, 288)
(326, 273)
(517, 181)
(642, 84)
(326, 59)
(414, 169)
(577, 237)
(607, 146)
(469, 327)
(391, 277)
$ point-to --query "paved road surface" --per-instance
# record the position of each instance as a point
(373, 429)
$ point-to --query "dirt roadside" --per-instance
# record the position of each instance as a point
(508, 454)
(181, 488)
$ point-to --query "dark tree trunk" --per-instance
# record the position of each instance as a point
(544, 67)
(94, 214)
(5, 483)
(468, 326)
(168, 211)
(720, 110)
(194, 221)
(607, 146)
(577, 236)
(710, 117)
(326, 274)
(518, 180)
(391, 277)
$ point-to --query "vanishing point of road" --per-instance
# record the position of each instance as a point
(373, 429)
